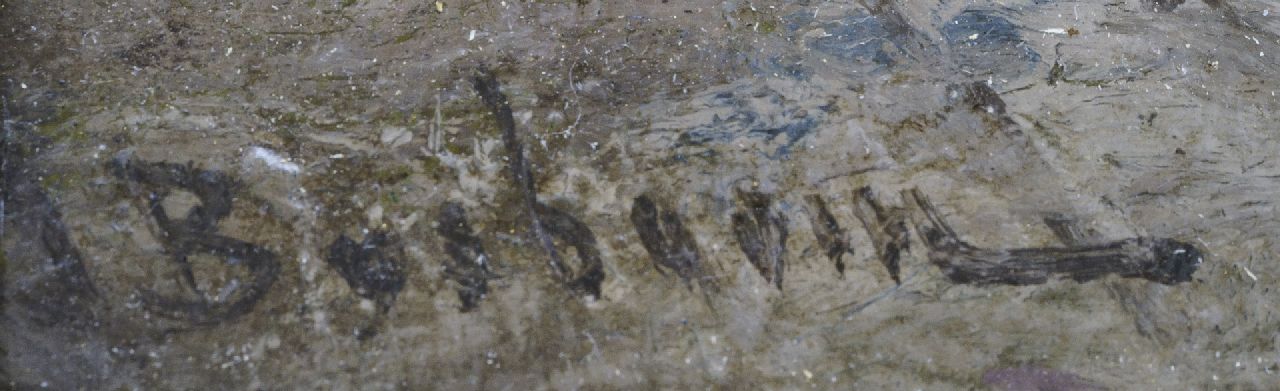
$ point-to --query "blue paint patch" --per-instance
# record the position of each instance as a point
(988, 44)
(861, 38)
(745, 121)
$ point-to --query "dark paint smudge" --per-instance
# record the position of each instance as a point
(978, 96)
(468, 263)
(1161, 260)
(669, 244)
(371, 270)
(762, 235)
(827, 231)
(590, 274)
(368, 267)
(547, 223)
(887, 228)
(196, 234)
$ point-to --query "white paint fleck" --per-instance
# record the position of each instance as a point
(471, 36)
(273, 160)
(1054, 31)
(1248, 272)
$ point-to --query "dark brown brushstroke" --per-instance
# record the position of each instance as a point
(887, 228)
(1161, 260)
(468, 263)
(762, 235)
(195, 234)
(832, 238)
(669, 244)
(547, 223)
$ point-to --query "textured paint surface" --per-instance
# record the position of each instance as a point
(370, 194)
